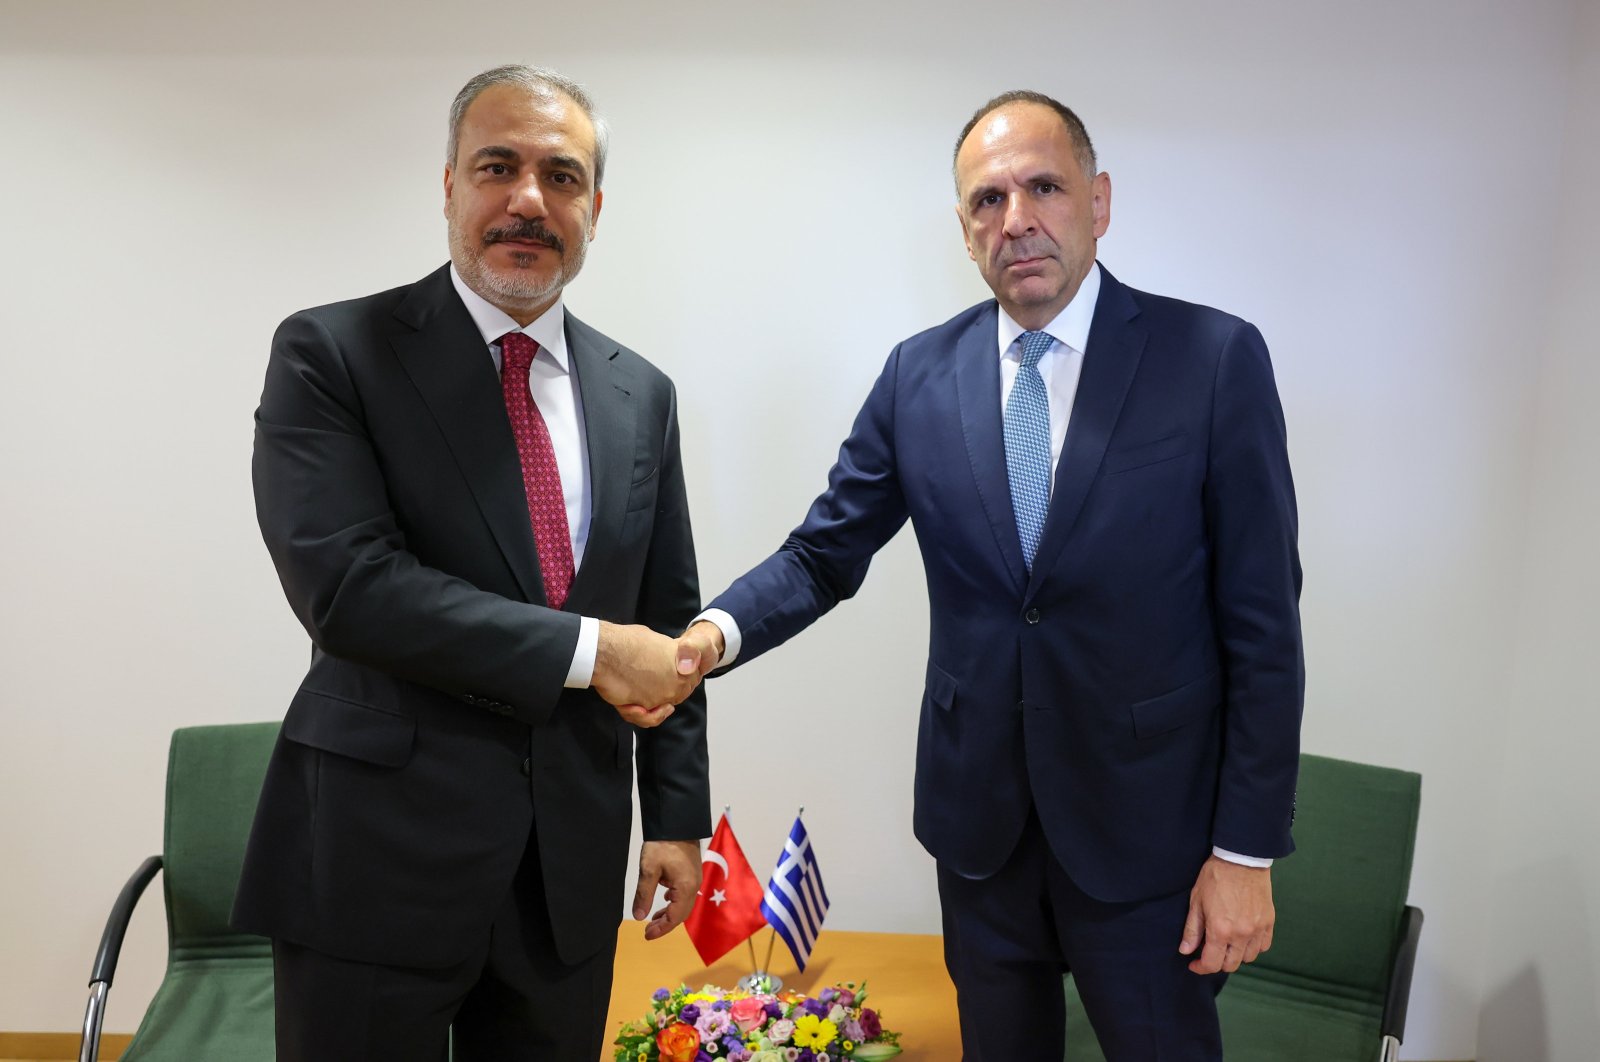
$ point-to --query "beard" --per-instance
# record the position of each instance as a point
(522, 285)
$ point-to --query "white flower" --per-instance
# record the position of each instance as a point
(780, 1031)
(836, 1015)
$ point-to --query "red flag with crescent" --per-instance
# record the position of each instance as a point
(727, 910)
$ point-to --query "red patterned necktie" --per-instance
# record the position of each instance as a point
(541, 478)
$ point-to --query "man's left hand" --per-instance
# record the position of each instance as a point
(676, 865)
(1230, 911)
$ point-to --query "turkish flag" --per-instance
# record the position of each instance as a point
(727, 910)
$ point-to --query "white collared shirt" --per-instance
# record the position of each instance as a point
(1062, 363)
(554, 387)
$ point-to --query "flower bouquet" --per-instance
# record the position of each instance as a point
(711, 1025)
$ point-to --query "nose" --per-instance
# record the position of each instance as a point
(1019, 215)
(527, 198)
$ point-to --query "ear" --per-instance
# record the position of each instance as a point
(594, 214)
(966, 236)
(449, 183)
(1100, 203)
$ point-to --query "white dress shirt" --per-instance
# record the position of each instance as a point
(554, 387)
(1060, 368)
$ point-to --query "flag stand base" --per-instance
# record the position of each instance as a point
(761, 982)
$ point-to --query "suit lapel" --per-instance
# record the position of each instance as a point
(450, 366)
(609, 422)
(1114, 348)
(978, 395)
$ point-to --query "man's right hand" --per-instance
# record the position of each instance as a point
(700, 649)
(637, 671)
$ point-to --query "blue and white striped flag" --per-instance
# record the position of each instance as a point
(795, 900)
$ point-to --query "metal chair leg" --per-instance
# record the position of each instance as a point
(1390, 1051)
(94, 1017)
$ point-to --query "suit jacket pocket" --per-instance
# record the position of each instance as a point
(360, 731)
(1129, 458)
(642, 494)
(1177, 707)
(941, 688)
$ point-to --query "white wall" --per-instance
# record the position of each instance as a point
(1376, 184)
(1542, 977)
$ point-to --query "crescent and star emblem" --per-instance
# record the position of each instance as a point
(718, 897)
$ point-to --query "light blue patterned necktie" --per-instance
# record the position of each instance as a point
(1027, 424)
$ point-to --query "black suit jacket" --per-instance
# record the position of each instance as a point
(432, 735)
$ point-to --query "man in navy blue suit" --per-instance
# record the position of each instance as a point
(1109, 736)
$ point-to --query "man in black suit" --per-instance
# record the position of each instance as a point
(476, 507)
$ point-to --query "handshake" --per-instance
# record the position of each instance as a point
(644, 674)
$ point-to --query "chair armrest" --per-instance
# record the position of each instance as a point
(1405, 961)
(105, 960)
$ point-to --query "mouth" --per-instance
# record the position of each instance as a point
(1019, 262)
(527, 245)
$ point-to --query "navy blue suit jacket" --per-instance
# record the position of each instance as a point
(1142, 687)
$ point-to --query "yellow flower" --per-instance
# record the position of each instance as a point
(849, 1045)
(814, 1032)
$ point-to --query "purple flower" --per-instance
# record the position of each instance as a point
(807, 1055)
(730, 1044)
(816, 1007)
(661, 995)
(871, 1027)
(689, 1014)
(703, 1057)
(721, 1004)
(774, 1010)
(829, 995)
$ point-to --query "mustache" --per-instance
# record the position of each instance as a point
(1038, 247)
(531, 230)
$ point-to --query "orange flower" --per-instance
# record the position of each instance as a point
(678, 1042)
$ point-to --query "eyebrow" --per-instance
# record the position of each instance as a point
(975, 196)
(495, 151)
(567, 162)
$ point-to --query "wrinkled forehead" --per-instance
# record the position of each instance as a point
(1017, 135)
(526, 119)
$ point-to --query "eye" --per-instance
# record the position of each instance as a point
(497, 169)
(1045, 187)
(563, 178)
(990, 200)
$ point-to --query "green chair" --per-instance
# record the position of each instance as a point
(215, 1002)
(1335, 985)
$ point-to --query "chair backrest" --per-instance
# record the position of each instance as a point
(214, 776)
(1339, 897)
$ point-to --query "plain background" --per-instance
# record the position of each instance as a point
(1400, 194)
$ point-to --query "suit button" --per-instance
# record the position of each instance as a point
(1032, 616)
(527, 767)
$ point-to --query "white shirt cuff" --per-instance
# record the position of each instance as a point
(1242, 860)
(730, 634)
(581, 673)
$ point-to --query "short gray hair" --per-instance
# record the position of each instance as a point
(541, 83)
(1082, 147)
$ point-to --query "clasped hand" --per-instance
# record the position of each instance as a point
(644, 674)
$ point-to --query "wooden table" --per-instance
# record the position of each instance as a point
(904, 972)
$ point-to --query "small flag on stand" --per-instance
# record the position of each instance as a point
(727, 909)
(795, 901)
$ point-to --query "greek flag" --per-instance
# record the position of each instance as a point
(795, 901)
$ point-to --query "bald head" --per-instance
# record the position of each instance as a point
(1082, 147)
